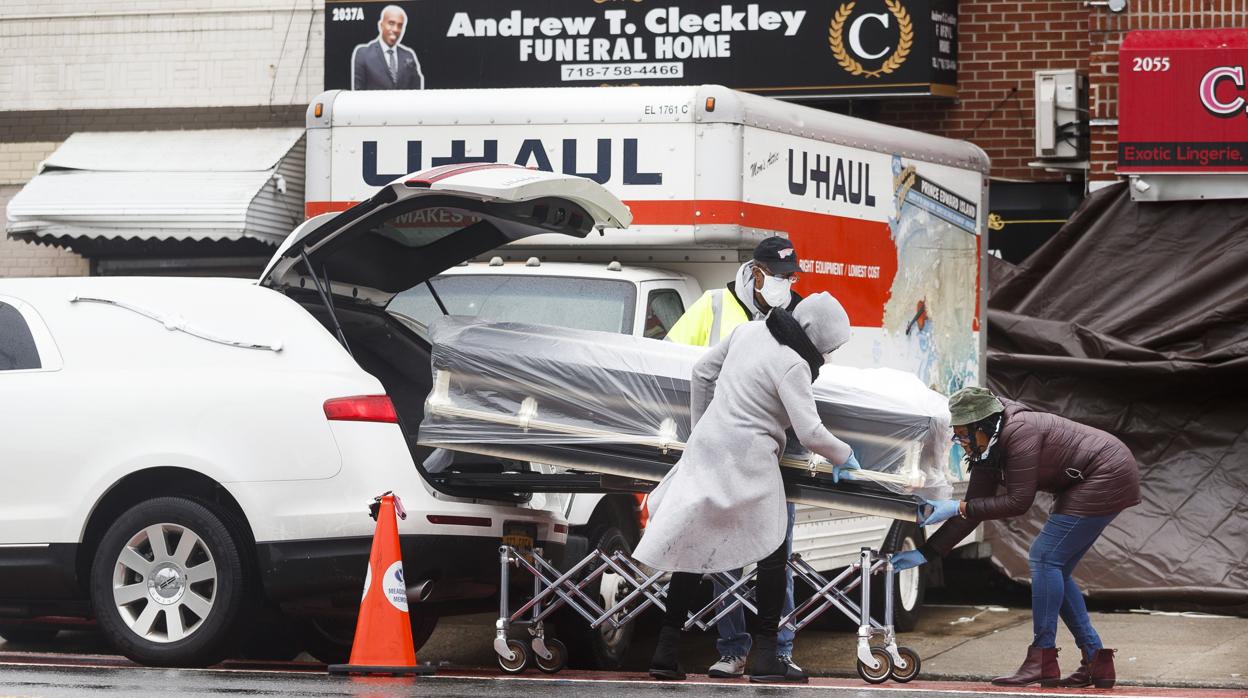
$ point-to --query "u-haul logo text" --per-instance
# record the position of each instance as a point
(568, 154)
(829, 177)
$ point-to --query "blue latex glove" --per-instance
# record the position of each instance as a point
(842, 470)
(942, 510)
(852, 463)
(906, 559)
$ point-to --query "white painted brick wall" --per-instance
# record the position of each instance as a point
(26, 259)
(102, 54)
(18, 161)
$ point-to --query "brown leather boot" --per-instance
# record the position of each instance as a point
(1095, 669)
(1039, 667)
(1083, 675)
(1103, 674)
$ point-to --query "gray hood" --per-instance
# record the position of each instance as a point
(824, 321)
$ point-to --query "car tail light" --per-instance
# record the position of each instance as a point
(362, 408)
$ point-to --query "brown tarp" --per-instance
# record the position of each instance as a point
(1134, 319)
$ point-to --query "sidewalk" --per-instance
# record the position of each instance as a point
(1153, 650)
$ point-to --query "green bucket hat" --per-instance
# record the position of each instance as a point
(969, 405)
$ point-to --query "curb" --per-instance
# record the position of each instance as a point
(984, 678)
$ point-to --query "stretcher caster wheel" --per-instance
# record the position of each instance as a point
(907, 673)
(521, 654)
(558, 657)
(879, 674)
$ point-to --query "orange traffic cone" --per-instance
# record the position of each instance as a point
(383, 633)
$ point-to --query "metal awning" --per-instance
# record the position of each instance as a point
(207, 185)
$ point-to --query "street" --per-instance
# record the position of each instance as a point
(46, 681)
(962, 646)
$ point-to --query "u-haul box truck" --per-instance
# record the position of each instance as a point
(888, 220)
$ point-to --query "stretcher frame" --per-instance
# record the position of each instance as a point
(553, 590)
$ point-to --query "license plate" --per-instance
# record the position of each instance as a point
(521, 536)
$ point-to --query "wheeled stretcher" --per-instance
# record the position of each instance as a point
(612, 412)
(554, 589)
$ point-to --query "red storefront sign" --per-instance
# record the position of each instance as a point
(1183, 101)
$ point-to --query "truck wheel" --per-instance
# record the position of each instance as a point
(605, 647)
(24, 633)
(272, 638)
(169, 584)
(911, 584)
(328, 640)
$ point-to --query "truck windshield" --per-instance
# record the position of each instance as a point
(578, 303)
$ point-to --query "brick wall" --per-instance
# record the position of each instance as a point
(58, 124)
(26, 138)
(103, 54)
(1001, 45)
(103, 65)
(17, 164)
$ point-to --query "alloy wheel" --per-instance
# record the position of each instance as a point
(164, 583)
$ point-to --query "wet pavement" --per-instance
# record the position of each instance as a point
(960, 645)
(44, 681)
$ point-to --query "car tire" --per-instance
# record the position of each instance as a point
(27, 633)
(605, 647)
(910, 585)
(163, 599)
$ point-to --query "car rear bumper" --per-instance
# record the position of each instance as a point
(461, 567)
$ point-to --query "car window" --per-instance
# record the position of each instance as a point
(663, 308)
(17, 345)
(604, 305)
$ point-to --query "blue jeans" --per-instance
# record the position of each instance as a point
(1055, 553)
(734, 640)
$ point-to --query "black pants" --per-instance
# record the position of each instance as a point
(769, 594)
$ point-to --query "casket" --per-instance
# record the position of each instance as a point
(614, 404)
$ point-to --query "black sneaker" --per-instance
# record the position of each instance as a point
(793, 667)
(768, 668)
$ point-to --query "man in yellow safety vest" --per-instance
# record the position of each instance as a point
(761, 284)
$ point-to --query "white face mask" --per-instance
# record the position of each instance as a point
(775, 291)
(827, 358)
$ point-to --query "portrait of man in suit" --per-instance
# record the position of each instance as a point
(385, 63)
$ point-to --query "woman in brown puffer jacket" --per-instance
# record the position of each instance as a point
(1094, 477)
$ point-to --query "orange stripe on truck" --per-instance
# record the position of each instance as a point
(853, 259)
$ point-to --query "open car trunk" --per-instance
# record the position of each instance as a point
(346, 268)
(393, 353)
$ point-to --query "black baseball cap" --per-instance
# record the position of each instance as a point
(778, 255)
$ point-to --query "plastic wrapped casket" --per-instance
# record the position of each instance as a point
(616, 404)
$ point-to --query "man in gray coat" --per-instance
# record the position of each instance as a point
(384, 63)
(712, 319)
(722, 506)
